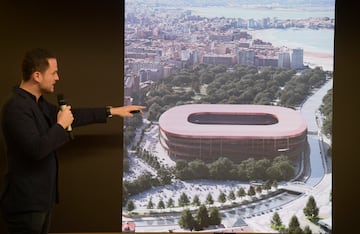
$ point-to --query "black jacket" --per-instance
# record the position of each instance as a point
(32, 136)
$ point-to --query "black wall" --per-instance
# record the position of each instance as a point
(87, 37)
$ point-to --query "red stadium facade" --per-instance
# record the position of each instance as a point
(210, 131)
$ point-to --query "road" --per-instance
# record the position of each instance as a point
(319, 183)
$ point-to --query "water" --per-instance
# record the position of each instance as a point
(318, 45)
(321, 41)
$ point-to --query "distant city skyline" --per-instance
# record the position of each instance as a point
(241, 3)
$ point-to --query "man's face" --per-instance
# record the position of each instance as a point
(48, 78)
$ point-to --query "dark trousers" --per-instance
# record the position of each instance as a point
(28, 223)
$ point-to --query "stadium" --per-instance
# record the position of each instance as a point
(210, 131)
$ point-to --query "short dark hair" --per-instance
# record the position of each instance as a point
(35, 60)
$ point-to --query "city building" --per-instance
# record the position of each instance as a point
(297, 58)
(284, 59)
(246, 57)
(224, 59)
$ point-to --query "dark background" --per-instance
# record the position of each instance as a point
(87, 38)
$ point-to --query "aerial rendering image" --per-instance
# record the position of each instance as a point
(237, 133)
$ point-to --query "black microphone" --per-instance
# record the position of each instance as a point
(62, 105)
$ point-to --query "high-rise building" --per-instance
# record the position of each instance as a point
(246, 57)
(297, 58)
(284, 59)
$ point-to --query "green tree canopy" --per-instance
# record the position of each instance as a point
(294, 226)
(202, 217)
(130, 206)
(196, 200)
(170, 203)
(241, 192)
(276, 222)
(251, 191)
(209, 199)
(311, 210)
(222, 197)
(186, 220)
(184, 200)
(150, 204)
(214, 216)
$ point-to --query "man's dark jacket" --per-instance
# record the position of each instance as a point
(32, 135)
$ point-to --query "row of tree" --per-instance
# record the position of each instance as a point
(184, 199)
(326, 110)
(293, 227)
(203, 218)
(311, 211)
(280, 168)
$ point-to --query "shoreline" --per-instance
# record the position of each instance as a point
(319, 59)
(314, 53)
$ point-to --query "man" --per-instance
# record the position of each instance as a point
(33, 129)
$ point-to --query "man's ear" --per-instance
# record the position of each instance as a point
(36, 76)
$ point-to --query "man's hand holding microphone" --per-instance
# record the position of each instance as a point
(65, 118)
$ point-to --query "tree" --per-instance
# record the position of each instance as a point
(161, 204)
(222, 197)
(164, 176)
(221, 169)
(275, 184)
(251, 191)
(202, 217)
(209, 199)
(182, 170)
(276, 222)
(199, 169)
(186, 220)
(125, 192)
(258, 190)
(130, 205)
(294, 226)
(196, 200)
(214, 216)
(248, 166)
(184, 200)
(286, 169)
(307, 230)
(170, 203)
(260, 168)
(241, 192)
(281, 169)
(311, 211)
(150, 204)
(267, 185)
(231, 195)
(154, 111)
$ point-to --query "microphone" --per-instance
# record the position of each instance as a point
(62, 105)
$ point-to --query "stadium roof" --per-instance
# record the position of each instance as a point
(289, 122)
